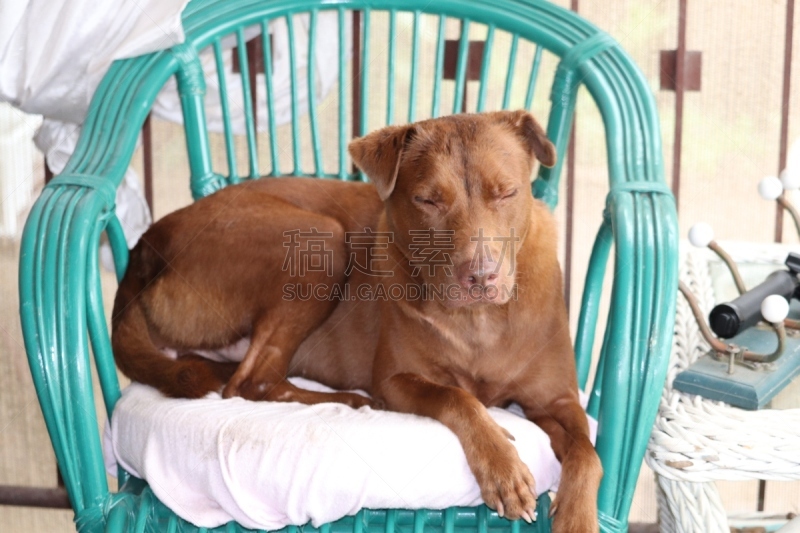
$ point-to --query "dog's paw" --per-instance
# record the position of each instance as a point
(356, 400)
(571, 522)
(513, 494)
(249, 389)
(506, 482)
(572, 519)
(574, 508)
(233, 389)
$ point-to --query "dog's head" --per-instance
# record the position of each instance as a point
(457, 196)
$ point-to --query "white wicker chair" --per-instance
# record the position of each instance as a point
(697, 441)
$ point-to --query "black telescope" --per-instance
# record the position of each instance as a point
(728, 319)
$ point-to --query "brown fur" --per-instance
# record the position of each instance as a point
(212, 274)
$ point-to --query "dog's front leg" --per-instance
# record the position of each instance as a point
(505, 481)
(262, 374)
(575, 505)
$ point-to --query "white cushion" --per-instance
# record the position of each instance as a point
(267, 465)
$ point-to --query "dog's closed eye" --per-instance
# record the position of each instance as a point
(427, 202)
(505, 194)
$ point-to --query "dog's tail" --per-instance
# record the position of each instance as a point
(138, 358)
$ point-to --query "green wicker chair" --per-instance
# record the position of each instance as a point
(61, 304)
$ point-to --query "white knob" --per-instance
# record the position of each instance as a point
(770, 188)
(790, 179)
(701, 234)
(775, 308)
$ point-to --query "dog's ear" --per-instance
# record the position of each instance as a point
(531, 133)
(378, 155)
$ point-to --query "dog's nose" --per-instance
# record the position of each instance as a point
(483, 274)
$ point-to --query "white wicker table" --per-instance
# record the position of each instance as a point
(696, 441)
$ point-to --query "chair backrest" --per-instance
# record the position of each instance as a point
(59, 280)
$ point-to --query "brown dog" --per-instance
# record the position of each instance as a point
(437, 290)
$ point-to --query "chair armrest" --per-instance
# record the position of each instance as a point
(60, 300)
(59, 245)
(636, 347)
